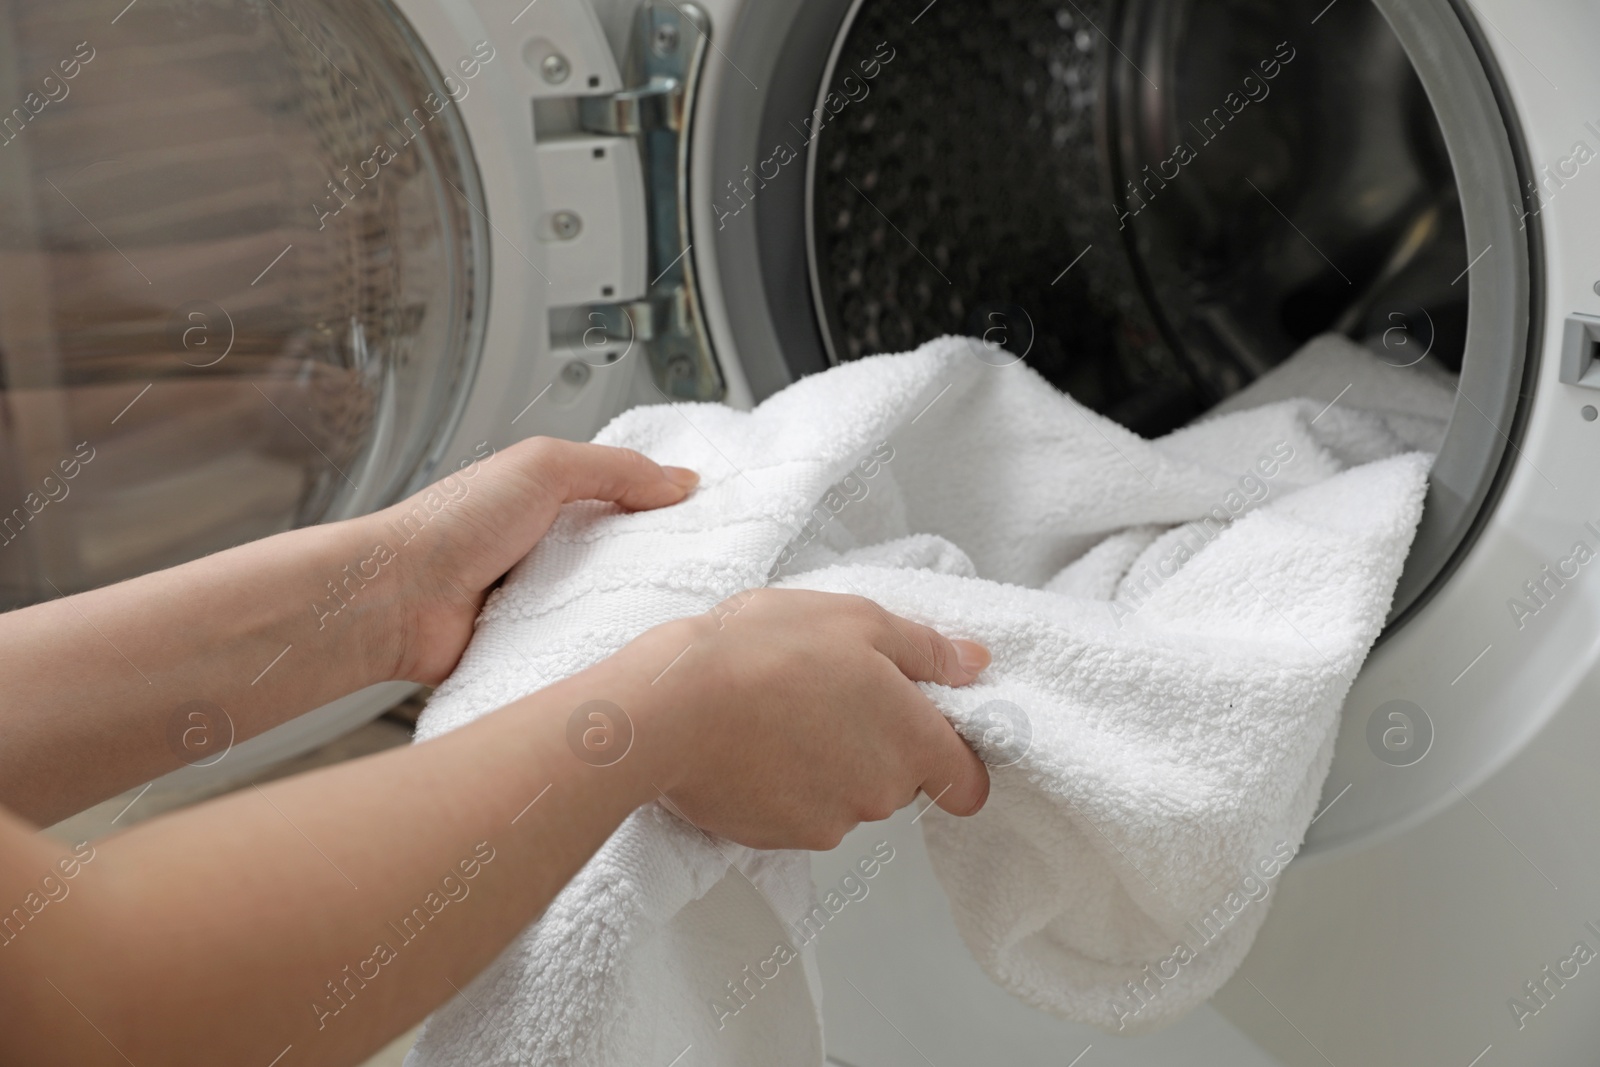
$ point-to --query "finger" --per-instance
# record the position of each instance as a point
(619, 475)
(957, 781)
(924, 654)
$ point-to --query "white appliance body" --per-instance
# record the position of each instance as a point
(1436, 892)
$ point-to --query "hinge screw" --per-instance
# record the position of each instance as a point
(556, 69)
(665, 39)
(565, 225)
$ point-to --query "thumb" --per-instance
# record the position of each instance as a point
(923, 654)
(957, 780)
(620, 475)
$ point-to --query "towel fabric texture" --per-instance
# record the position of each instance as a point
(1174, 626)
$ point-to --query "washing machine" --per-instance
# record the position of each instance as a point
(269, 263)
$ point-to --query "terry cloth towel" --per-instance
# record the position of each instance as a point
(1174, 625)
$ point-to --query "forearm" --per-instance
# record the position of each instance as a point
(213, 935)
(101, 686)
(330, 912)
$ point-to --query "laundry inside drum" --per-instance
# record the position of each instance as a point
(1155, 202)
(1154, 223)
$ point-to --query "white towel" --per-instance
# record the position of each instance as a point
(1174, 625)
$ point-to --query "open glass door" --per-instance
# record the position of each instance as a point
(241, 285)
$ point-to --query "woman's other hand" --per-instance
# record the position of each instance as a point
(454, 540)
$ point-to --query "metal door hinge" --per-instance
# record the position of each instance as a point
(667, 54)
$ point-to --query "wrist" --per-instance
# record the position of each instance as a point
(357, 597)
(651, 683)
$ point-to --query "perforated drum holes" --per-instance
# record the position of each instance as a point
(979, 198)
(1588, 412)
(1399, 733)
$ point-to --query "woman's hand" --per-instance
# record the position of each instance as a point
(788, 717)
(454, 540)
(210, 935)
(780, 720)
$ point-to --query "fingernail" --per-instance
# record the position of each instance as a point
(972, 656)
(681, 477)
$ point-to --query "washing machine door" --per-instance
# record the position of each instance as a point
(265, 265)
(243, 286)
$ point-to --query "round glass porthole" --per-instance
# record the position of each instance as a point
(241, 281)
